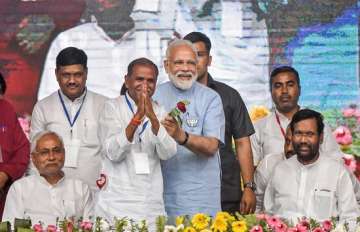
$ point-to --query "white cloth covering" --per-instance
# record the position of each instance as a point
(126, 193)
(33, 197)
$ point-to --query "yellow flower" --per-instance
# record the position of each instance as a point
(219, 224)
(239, 226)
(205, 230)
(189, 229)
(179, 220)
(258, 112)
(226, 216)
(200, 221)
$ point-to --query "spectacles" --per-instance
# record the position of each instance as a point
(54, 151)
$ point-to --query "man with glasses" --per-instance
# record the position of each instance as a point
(50, 195)
(192, 176)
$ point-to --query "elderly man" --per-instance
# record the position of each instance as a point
(266, 167)
(192, 177)
(309, 184)
(134, 142)
(269, 134)
(51, 195)
(14, 146)
(238, 126)
(73, 112)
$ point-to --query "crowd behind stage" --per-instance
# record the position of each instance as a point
(167, 149)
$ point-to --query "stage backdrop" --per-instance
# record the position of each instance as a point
(319, 38)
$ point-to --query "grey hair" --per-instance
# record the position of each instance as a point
(180, 42)
(41, 134)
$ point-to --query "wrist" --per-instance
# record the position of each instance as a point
(135, 122)
(250, 185)
(185, 139)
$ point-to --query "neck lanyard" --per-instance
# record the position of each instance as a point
(278, 122)
(132, 110)
(67, 113)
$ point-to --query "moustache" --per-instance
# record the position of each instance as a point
(184, 74)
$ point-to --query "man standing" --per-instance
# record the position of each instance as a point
(309, 184)
(49, 195)
(134, 142)
(192, 177)
(14, 146)
(238, 126)
(73, 113)
(269, 134)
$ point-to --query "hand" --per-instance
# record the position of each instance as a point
(173, 129)
(248, 202)
(149, 111)
(140, 113)
(3, 179)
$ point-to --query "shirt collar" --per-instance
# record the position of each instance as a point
(45, 182)
(77, 100)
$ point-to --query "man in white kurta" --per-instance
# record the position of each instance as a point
(46, 199)
(269, 134)
(75, 118)
(309, 184)
(133, 183)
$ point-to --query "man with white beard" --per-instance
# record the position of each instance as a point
(192, 176)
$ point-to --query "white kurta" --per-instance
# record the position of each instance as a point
(126, 193)
(262, 176)
(33, 197)
(268, 138)
(320, 190)
(48, 114)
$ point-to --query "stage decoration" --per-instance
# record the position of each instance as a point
(222, 222)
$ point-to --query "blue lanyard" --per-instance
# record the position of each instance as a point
(67, 113)
(132, 110)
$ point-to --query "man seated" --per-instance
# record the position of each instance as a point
(266, 166)
(48, 195)
(309, 184)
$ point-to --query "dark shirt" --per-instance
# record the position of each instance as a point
(238, 125)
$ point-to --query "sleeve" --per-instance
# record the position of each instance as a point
(269, 197)
(20, 150)
(329, 144)
(112, 134)
(256, 146)
(165, 145)
(14, 207)
(240, 119)
(348, 208)
(88, 202)
(214, 119)
(260, 182)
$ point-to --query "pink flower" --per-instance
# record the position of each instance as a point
(281, 227)
(303, 225)
(261, 216)
(350, 162)
(318, 229)
(256, 228)
(342, 135)
(273, 221)
(351, 112)
(51, 228)
(37, 228)
(86, 225)
(297, 229)
(327, 224)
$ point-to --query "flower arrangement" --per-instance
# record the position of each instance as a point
(346, 125)
(222, 222)
(225, 222)
(178, 110)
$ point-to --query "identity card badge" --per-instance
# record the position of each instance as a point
(72, 149)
